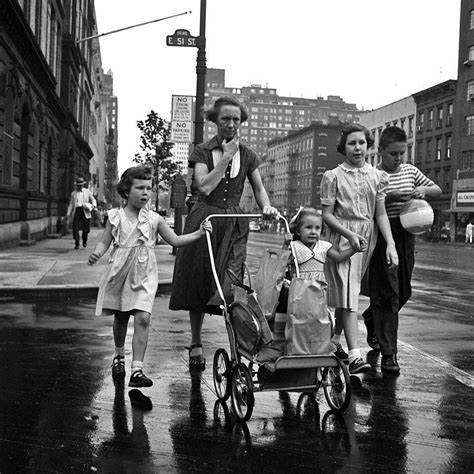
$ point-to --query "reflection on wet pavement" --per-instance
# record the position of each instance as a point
(60, 410)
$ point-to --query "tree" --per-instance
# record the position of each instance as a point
(156, 148)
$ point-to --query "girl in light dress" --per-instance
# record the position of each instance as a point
(353, 199)
(310, 251)
(129, 283)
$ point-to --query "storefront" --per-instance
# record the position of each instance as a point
(462, 210)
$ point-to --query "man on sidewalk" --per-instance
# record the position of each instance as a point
(80, 205)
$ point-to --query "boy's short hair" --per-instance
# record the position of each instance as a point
(392, 134)
(351, 128)
(211, 113)
(126, 180)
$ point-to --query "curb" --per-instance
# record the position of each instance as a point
(76, 291)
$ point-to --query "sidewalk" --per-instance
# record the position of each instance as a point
(53, 265)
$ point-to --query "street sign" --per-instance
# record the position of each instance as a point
(181, 131)
(182, 108)
(182, 38)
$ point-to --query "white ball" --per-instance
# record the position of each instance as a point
(416, 216)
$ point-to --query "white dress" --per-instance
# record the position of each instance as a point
(311, 260)
(130, 279)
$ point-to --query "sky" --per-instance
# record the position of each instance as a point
(369, 52)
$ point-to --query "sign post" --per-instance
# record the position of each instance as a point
(178, 202)
(185, 39)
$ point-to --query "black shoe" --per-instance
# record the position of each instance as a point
(139, 400)
(196, 362)
(76, 246)
(118, 367)
(369, 325)
(139, 379)
(390, 364)
(340, 353)
(84, 244)
(357, 366)
(372, 341)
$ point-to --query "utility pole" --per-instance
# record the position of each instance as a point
(200, 91)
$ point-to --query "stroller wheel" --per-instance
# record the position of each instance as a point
(337, 387)
(221, 371)
(242, 392)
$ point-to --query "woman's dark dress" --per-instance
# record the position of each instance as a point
(193, 283)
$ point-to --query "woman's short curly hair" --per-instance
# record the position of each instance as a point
(126, 180)
(295, 223)
(212, 112)
(351, 128)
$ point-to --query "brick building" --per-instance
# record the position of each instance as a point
(47, 86)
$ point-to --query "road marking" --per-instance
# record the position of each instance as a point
(460, 375)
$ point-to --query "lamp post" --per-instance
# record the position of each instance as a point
(200, 91)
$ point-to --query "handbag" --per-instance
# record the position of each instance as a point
(308, 327)
(268, 281)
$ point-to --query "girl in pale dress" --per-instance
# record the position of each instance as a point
(310, 251)
(353, 195)
(129, 284)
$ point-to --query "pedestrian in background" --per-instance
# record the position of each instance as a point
(352, 195)
(220, 169)
(390, 287)
(129, 283)
(81, 204)
(469, 233)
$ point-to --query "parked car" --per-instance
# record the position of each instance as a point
(254, 226)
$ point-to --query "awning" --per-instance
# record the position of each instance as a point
(459, 209)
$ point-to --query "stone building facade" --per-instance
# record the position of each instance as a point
(46, 90)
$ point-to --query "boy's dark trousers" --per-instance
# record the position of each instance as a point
(80, 222)
(389, 287)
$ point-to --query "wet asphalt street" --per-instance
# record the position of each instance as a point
(61, 412)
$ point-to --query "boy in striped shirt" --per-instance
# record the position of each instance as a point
(390, 287)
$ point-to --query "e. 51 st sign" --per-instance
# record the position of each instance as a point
(182, 38)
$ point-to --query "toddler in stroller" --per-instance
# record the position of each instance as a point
(285, 352)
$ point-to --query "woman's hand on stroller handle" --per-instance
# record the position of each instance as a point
(270, 211)
(206, 226)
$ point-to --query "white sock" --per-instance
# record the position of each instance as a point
(136, 365)
(353, 355)
(336, 338)
(119, 351)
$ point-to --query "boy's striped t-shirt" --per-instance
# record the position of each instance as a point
(405, 181)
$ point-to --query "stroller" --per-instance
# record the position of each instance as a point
(242, 373)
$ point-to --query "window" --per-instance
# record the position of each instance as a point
(419, 152)
(470, 53)
(467, 160)
(438, 149)
(469, 125)
(421, 120)
(430, 119)
(470, 90)
(448, 147)
(428, 151)
(410, 153)
(471, 22)
(447, 179)
(449, 115)
(410, 126)
(439, 118)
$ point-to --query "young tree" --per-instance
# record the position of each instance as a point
(156, 148)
